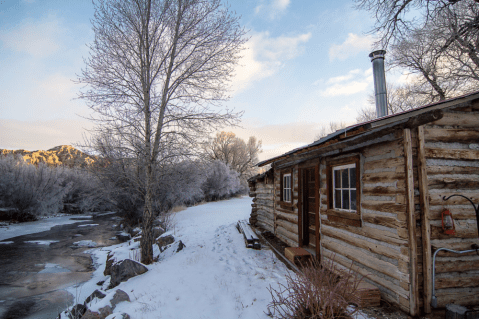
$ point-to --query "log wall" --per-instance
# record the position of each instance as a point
(262, 213)
(452, 167)
(378, 247)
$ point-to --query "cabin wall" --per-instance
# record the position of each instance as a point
(377, 246)
(286, 215)
(262, 213)
(452, 166)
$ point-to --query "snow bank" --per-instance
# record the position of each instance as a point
(214, 276)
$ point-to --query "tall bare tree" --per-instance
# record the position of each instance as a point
(157, 71)
(239, 155)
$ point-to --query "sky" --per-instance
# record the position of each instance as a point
(306, 64)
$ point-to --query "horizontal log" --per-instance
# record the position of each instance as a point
(378, 279)
(293, 237)
(364, 243)
(376, 219)
(453, 183)
(459, 213)
(465, 281)
(437, 198)
(365, 259)
(286, 240)
(378, 234)
(451, 170)
(462, 231)
(448, 135)
(458, 246)
(461, 120)
(293, 228)
(460, 296)
(457, 265)
(382, 191)
(387, 162)
(381, 177)
(383, 206)
(383, 148)
(265, 226)
(287, 216)
(459, 154)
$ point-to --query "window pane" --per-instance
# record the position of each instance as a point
(337, 199)
(345, 199)
(337, 179)
(353, 199)
(352, 177)
(344, 178)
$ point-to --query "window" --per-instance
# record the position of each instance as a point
(287, 188)
(344, 187)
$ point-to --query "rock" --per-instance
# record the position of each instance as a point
(91, 315)
(157, 232)
(135, 231)
(124, 270)
(77, 311)
(119, 316)
(118, 297)
(105, 311)
(109, 261)
(100, 283)
(96, 294)
(180, 246)
(123, 236)
(164, 241)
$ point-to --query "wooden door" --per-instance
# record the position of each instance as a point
(308, 218)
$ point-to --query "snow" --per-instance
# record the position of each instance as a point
(88, 225)
(214, 276)
(6, 242)
(53, 269)
(38, 226)
(41, 242)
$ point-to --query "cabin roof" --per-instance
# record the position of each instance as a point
(385, 122)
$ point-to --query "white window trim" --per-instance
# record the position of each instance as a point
(335, 168)
(287, 188)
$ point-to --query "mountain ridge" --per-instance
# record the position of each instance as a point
(65, 155)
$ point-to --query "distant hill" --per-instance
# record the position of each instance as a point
(60, 155)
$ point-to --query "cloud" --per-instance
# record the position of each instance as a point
(350, 47)
(36, 38)
(265, 56)
(272, 8)
(353, 82)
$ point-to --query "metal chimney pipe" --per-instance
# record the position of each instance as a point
(377, 58)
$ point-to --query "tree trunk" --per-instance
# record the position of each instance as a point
(147, 223)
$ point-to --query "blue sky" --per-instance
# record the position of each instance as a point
(306, 65)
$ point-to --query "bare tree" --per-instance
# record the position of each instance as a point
(332, 127)
(239, 155)
(156, 73)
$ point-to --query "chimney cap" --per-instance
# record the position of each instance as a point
(377, 54)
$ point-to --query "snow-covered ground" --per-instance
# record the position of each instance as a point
(214, 276)
(41, 225)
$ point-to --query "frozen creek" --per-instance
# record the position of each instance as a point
(37, 268)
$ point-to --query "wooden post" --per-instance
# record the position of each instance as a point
(275, 182)
(426, 227)
(300, 204)
(316, 210)
(411, 225)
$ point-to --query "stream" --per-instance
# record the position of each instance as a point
(36, 269)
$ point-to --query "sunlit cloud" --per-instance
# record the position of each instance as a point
(350, 47)
(265, 55)
(272, 8)
(36, 38)
(353, 82)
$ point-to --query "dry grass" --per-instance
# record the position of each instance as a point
(177, 209)
(315, 292)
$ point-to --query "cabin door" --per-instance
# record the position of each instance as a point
(308, 218)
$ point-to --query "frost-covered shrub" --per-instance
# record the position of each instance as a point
(221, 181)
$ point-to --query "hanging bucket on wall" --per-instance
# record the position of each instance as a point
(448, 223)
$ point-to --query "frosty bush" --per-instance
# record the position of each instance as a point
(34, 191)
(221, 181)
(316, 292)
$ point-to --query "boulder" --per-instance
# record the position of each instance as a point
(119, 316)
(118, 297)
(124, 270)
(96, 294)
(109, 262)
(164, 241)
(91, 315)
(77, 311)
(105, 311)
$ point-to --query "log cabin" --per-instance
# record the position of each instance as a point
(372, 196)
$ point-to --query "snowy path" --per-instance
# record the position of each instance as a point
(214, 276)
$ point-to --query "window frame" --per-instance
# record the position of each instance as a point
(337, 215)
(284, 188)
(349, 189)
